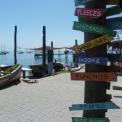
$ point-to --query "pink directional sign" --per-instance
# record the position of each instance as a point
(86, 12)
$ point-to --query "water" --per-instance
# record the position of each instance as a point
(27, 59)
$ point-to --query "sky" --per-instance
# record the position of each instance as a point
(31, 15)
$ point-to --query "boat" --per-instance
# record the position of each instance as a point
(15, 75)
(2, 52)
(38, 70)
(20, 52)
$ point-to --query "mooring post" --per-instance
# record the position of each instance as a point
(76, 53)
(52, 48)
(95, 91)
(44, 50)
(15, 46)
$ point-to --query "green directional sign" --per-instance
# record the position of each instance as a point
(113, 11)
(87, 27)
(79, 119)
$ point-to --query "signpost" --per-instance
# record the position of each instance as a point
(79, 2)
(93, 43)
(93, 13)
(87, 27)
(84, 119)
(93, 60)
(114, 25)
(94, 106)
(96, 76)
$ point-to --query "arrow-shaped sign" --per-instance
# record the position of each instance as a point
(94, 106)
(87, 27)
(84, 119)
(114, 19)
(93, 43)
(93, 60)
(80, 2)
(92, 13)
(113, 11)
(114, 25)
(94, 76)
(112, 2)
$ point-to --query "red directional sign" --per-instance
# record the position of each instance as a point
(86, 12)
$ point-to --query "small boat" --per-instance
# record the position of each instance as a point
(15, 75)
(20, 52)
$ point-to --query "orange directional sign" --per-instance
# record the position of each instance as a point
(94, 76)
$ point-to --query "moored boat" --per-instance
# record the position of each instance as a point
(14, 75)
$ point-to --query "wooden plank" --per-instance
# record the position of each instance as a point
(93, 43)
(92, 13)
(94, 106)
(96, 76)
(84, 119)
(117, 88)
(114, 19)
(92, 60)
(113, 11)
(80, 2)
(112, 2)
(114, 25)
(87, 27)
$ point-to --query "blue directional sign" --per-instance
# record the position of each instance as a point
(93, 60)
(79, 2)
(94, 106)
(114, 25)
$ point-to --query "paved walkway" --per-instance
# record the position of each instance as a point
(49, 100)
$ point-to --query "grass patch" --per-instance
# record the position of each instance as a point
(62, 71)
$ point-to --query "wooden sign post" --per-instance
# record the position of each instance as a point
(93, 13)
(93, 60)
(95, 91)
(93, 28)
(79, 119)
(94, 76)
(94, 106)
(93, 43)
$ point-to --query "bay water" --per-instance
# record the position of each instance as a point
(27, 59)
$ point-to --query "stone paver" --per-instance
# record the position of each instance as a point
(49, 100)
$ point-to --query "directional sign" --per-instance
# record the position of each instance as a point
(117, 88)
(93, 60)
(94, 106)
(83, 119)
(87, 27)
(93, 13)
(114, 25)
(112, 2)
(79, 2)
(113, 19)
(96, 76)
(113, 11)
(93, 43)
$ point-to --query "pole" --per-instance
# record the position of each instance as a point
(15, 46)
(76, 53)
(44, 48)
(52, 49)
(95, 91)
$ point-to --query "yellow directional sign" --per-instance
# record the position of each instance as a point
(93, 43)
(112, 2)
